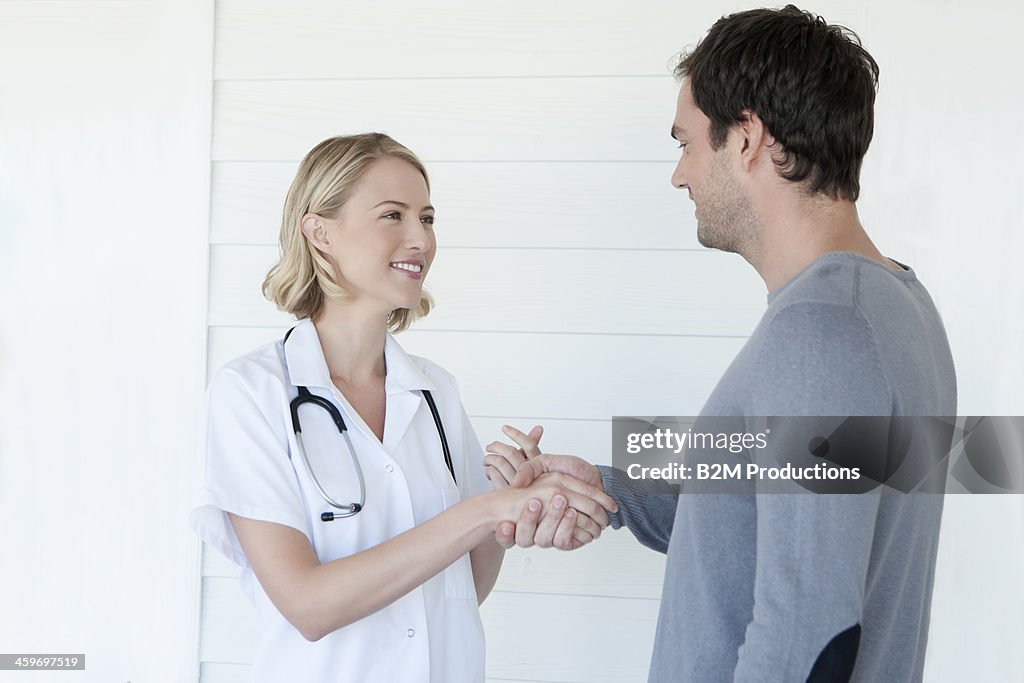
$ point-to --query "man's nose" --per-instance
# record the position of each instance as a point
(678, 178)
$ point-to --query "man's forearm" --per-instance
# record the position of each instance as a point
(647, 508)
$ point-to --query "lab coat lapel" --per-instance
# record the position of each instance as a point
(401, 410)
(403, 387)
(306, 364)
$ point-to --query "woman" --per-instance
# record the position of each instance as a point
(388, 589)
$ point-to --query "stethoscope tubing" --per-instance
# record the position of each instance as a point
(303, 396)
(349, 509)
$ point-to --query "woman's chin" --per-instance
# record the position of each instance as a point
(406, 304)
(410, 301)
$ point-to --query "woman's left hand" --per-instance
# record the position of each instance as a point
(503, 461)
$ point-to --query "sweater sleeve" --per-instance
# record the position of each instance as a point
(813, 549)
(647, 507)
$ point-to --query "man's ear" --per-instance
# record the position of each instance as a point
(755, 139)
(315, 231)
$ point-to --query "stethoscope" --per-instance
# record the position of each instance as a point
(305, 396)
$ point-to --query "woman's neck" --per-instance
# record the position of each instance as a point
(352, 338)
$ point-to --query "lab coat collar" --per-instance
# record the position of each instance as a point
(307, 367)
(403, 374)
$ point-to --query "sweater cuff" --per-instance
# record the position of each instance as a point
(615, 482)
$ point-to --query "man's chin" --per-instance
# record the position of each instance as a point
(712, 240)
(705, 238)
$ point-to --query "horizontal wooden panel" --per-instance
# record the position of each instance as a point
(216, 672)
(524, 634)
(314, 39)
(538, 376)
(629, 205)
(215, 564)
(569, 638)
(589, 439)
(571, 119)
(463, 38)
(229, 624)
(527, 290)
(615, 565)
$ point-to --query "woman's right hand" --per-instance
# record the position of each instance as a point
(572, 512)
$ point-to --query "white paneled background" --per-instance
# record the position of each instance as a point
(569, 283)
(104, 204)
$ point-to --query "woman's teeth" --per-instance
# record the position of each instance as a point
(411, 267)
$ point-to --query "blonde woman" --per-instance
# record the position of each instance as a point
(342, 474)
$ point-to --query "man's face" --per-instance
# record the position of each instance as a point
(725, 215)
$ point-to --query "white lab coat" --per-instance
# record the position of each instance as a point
(254, 470)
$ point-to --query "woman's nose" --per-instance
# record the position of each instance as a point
(418, 235)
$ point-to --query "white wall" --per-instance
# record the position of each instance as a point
(944, 188)
(566, 254)
(569, 281)
(104, 186)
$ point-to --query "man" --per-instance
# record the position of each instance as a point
(774, 116)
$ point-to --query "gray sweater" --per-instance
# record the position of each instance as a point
(777, 587)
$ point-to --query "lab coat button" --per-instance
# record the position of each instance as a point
(391, 468)
(410, 633)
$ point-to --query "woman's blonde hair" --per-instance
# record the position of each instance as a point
(303, 277)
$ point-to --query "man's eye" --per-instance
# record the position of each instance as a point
(682, 146)
(429, 220)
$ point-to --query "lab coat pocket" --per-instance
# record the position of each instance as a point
(458, 576)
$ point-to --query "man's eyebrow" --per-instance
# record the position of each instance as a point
(677, 131)
(402, 205)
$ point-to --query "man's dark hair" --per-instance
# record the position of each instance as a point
(813, 85)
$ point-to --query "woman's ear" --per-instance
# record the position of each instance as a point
(315, 231)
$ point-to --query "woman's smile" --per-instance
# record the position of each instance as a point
(411, 268)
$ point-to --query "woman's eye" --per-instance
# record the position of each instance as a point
(429, 220)
(682, 146)
(393, 215)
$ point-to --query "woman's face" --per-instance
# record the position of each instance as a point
(382, 241)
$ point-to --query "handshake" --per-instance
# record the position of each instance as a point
(556, 500)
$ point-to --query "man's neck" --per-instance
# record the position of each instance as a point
(797, 231)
